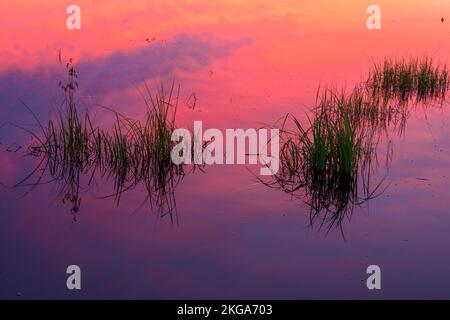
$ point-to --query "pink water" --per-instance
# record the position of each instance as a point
(248, 63)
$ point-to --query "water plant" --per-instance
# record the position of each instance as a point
(130, 153)
(328, 161)
(417, 79)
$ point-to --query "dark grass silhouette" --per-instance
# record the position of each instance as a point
(328, 162)
(131, 153)
(414, 79)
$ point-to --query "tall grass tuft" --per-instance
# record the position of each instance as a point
(131, 153)
(325, 160)
(418, 79)
(328, 161)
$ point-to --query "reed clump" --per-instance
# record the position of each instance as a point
(417, 79)
(328, 161)
(323, 162)
(131, 153)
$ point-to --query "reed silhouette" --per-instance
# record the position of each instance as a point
(329, 160)
(131, 153)
(417, 79)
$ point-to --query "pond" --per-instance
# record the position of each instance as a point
(364, 150)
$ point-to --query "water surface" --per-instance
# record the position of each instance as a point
(248, 64)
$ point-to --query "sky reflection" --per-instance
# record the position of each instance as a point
(249, 63)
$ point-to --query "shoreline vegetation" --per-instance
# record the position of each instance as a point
(327, 162)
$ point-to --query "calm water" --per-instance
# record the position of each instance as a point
(248, 63)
